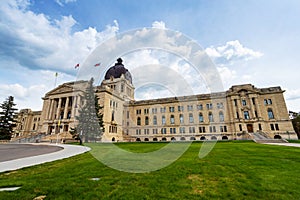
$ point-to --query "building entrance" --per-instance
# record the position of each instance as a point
(250, 128)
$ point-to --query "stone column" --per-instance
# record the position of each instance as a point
(58, 108)
(66, 108)
(50, 109)
(74, 106)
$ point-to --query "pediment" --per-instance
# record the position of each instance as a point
(60, 90)
(242, 90)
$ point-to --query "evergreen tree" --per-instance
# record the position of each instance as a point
(90, 120)
(7, 118)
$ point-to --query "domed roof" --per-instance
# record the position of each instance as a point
(117, 70)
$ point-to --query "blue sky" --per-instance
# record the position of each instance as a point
(250, 41)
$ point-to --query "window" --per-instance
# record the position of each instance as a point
(138, 131)
(190, 107)
(181, 119)
(172, 119)
(154, 120)
(61, 116)
(256, 115)
(220, 105)
(163, 120)
(200, 107)
(212, 129)
(259, 127)
(200, 117)
(272, 127)
(276, 127)
(69, 115)
(154, 110)
(171, 109)
(202, 129)
(138, 112)
(182, 129)
(210, 117)
(191, 129)
(253, 100)
(209, 106)
(163, 110)
(240, 126)
(163, 131)
(122, 87)
(268, 101)
(154, 131)
(244, 103)
(221, 116)
(223, 129)
(191, 118)
(172, 130)
(235, 102)
(33, 128)
(146, 120)
(270, 113)
(180, 108)
(127, 114)
(237, 115)
(138, 121)
(246, 115)
(146, 111)
(113, 116)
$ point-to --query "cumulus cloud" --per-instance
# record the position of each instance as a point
(40, 42)
(231, 52)
(159, 24)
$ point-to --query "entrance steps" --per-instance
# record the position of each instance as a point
(264, 138)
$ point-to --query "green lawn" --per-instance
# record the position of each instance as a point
(232, 170)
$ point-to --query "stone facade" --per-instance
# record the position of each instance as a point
(233, 114)
(29, 123)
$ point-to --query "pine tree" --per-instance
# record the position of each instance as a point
(90, 120)
(7, 118)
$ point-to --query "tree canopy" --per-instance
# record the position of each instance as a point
(7, 118)
(90, 121)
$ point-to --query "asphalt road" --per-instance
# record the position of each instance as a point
(15, 151)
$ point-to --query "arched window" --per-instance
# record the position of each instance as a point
(200, 117)
(181, 119)
(172, 119)
(191, 118)
(221, 116)
(270, 113)
(210, 117)
(146, 120)
(163, 120)
(138, 121)
(154, 120)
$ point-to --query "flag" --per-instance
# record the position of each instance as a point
(56, 74)
(97, 64)
(77, 65)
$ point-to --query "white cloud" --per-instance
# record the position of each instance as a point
(231, 52)
(34, 46)
(159, 24)
(37, 41)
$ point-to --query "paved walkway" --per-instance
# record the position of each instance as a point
(285, 144)
(61, 151)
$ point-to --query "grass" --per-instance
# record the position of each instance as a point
(232, 170)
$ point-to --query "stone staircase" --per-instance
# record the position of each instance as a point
(264, 138)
